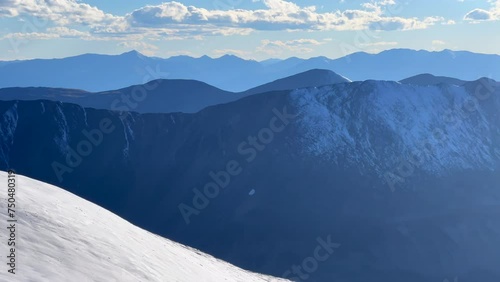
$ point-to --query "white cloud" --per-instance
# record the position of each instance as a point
(50, 33)
(438, 42)
(174, 20)
(478, 15)
(438, 45)
(278, 15)
(30, 36)
(277, 47)
(68, 32)
(239, 53)
(62, 12)
(380, 44)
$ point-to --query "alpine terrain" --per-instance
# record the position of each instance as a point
(360, 181)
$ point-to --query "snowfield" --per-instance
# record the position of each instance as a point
(61, 237)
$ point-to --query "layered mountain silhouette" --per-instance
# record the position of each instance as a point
(96, 73)
(381, 181)
(166, 95)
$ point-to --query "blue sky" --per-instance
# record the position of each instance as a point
(254, 29)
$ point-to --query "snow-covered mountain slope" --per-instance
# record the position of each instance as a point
(322, 174)
(62, 237)
(376, 124)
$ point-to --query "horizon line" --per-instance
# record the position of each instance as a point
(254, 60)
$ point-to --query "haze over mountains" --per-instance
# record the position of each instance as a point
(399, 181)
(166, 95)
(95, 73)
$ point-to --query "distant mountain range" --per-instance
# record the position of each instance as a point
(96, 73)
(166, 95)
(395, 182)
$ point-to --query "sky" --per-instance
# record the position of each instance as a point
(251, 29)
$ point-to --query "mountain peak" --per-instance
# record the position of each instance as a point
(132, 53)
(322, 75)
(310, 78)
(231, 57)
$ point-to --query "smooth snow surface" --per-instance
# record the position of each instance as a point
(61, 237)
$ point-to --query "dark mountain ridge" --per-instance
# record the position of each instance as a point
(166, 95)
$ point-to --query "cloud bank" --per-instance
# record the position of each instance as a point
(478, 15)
(176, 20)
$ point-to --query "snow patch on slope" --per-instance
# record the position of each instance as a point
(62, 237)
(376, 124)
(85, 120)
(128, 133)
(63, 139)
(7, 129)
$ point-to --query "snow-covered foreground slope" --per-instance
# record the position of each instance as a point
(62, 237)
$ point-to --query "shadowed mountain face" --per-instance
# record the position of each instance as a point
(103, 72)
(166, 95)
(157, 96)
(363, 181)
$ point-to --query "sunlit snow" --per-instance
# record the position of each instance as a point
(61, 237)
